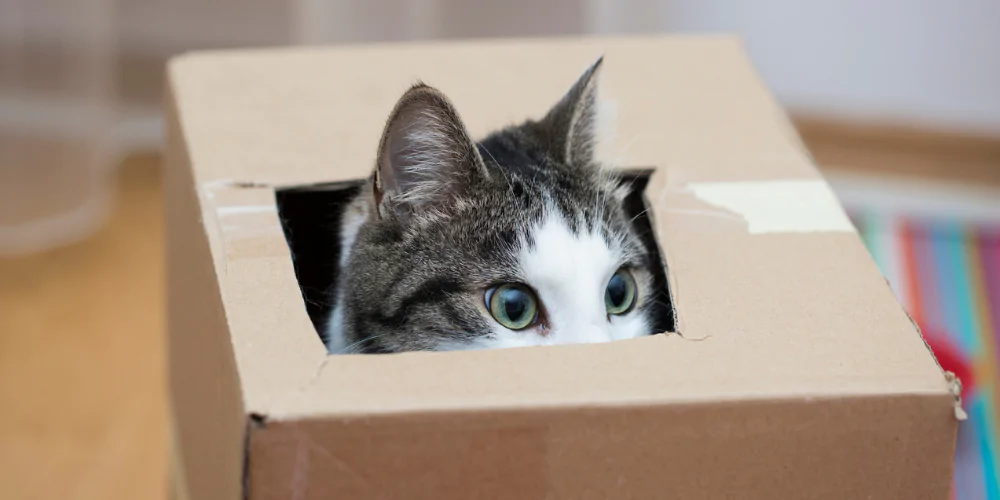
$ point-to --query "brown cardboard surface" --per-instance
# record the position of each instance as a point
(791, 344)
(208, 409)
(826, 449)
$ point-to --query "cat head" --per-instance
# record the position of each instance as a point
(519, 239)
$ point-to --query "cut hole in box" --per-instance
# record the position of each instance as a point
(310, 216)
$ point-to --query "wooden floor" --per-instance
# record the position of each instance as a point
(82, 377)
(902, 150)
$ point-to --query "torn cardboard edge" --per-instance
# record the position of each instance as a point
(954, 383)
(766, 207)
(955, 386)
(225, 200)
(310, 216)
(779, 206)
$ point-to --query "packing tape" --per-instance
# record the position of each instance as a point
(246, 214)
(778, 206)
(251, 231)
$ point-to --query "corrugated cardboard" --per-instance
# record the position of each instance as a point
(795, 373)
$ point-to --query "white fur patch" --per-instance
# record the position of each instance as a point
(570, 273)
(354, 217)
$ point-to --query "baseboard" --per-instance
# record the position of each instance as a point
(901, 150)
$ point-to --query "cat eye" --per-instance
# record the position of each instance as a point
(513, 305)
(619, 296)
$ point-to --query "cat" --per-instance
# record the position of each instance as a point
(520, 239)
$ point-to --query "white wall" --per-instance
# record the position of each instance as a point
(925, 62)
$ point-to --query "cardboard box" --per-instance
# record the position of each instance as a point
(794, 373)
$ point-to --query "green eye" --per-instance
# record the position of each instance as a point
(619, 296)
(513, 306)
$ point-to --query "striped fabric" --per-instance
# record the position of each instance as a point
(946, 273)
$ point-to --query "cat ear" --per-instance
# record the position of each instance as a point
(425, 154)
(572, 122)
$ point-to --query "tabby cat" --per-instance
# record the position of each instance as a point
(519, 239)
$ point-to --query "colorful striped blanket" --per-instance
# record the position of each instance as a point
(941, 255)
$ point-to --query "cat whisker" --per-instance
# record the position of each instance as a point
(624, 151)
(458, 342)
(628, 189)
(610, 173)
(657, 302)
(491, 155)
(348, 349)
(503, 172)
(640, 214)
(597, 199)
(510, 187)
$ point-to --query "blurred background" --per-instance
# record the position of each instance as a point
(899, 101)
